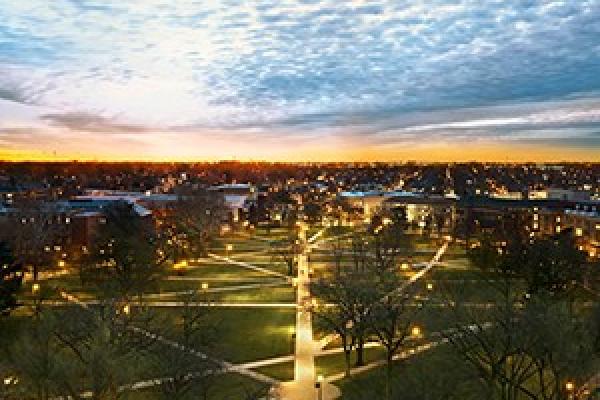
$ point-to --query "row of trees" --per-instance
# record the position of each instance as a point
(525, 326)
(367, 299)
(540, 338)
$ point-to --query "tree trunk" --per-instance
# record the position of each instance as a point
(388, 377)
(360, 352)
(347, 353)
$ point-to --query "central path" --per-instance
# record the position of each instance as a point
(303, 385)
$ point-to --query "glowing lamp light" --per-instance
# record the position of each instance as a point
(126, 309)
(404, 266)
(229, 247)
(204, 286)
(35, 288)
(415, 331)
(570, 386)
(10, 380)
(320, 378)
(61, 263)
(430, 286)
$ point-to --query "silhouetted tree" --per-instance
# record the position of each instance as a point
(11, 279)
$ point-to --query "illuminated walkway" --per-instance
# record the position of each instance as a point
(303, 385)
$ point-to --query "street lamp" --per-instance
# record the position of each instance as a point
(319, 387)
(570, 388)
(416, 332)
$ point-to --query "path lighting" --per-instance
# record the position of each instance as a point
(10, 380)
(319, 387)
(35, 288)
(430, 286)
(416, 331)
(126, 309)
(570, 386)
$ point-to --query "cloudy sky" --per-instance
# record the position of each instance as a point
(300, 79)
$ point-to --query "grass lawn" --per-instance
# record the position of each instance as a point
(282, 372)
(224, 387)
(247, 334)
(435, 374)
(275, 294)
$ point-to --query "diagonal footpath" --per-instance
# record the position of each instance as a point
(225, 365)
(248, 266)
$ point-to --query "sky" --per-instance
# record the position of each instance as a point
(300, 80)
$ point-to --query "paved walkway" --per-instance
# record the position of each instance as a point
(216, 290)
(303, 385)
(225, 365)
(248, 266)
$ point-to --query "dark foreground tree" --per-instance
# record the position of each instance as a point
(11, 279)
(125, 259)
(526, 331)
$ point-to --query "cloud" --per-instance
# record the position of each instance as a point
(384, 69)
(82, 122)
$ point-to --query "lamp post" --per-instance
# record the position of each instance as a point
(416, 332)
(570, 389)
(319, 387)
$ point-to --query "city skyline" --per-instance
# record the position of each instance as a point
(300, 81)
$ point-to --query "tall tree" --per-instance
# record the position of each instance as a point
(392, 320)
(125, 259)
(190, 223)
(11, 279)
(37, 230)
(286, 250)
(188, 374)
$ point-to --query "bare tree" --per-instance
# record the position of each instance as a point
(186, 373)
(11, 279)
(286, 250)
(188, 226)
(38, 231)
(391, 320)
(125, 259)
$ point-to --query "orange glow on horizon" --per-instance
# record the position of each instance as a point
(327, 152)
